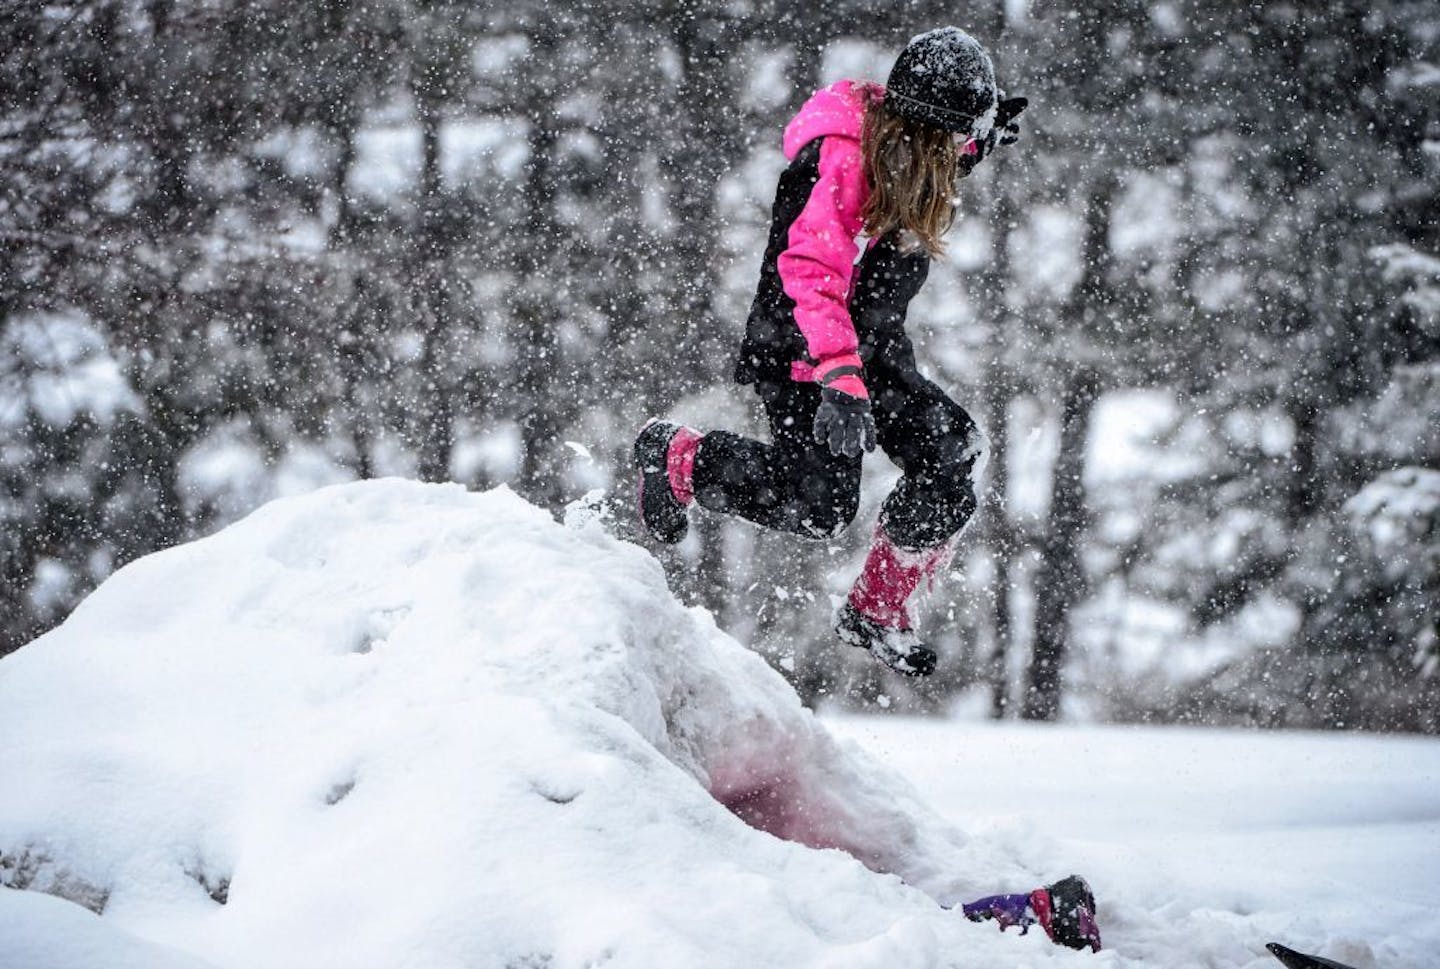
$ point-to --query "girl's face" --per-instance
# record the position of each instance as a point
(965, 144)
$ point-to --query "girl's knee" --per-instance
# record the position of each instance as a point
(960, 475)
(827, 517)
(958, 440)
(938, 496)
(828, 522)
(974, 456)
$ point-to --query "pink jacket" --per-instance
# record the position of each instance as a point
(817, 270)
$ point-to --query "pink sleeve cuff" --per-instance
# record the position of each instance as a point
(846, 383)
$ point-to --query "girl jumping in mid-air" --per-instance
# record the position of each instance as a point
(858, 215)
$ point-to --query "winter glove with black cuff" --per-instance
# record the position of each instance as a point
(843, 420)
(1006, 131)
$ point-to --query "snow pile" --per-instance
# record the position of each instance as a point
(395, 724)
(42, 931)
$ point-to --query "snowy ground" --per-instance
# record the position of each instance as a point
(392, 725)
(1328, 842)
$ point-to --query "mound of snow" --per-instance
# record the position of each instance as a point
(394, 724)
(40, 931)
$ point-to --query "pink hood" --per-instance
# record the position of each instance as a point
(818, 265)
(835, 110)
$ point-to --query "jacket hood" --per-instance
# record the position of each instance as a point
(835, 110)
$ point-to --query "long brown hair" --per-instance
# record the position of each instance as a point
(910, 167)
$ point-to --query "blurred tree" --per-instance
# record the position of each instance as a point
(254, 247)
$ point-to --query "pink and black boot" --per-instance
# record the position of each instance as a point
(1065, 910)
(665, 460)
(876, 614)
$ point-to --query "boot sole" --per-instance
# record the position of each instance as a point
(668, 523)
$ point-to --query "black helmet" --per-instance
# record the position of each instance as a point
(945, 78)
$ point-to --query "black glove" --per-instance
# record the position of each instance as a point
(844, 422)
(1005, 131)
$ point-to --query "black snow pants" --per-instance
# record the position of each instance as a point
(796, 485)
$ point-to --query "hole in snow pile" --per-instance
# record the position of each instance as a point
(339, 791)
(555, 794)
(34, 870)
(216, 886)
(379, 627)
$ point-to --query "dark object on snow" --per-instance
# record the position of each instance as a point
(944, 78)
(1299, 960)
(844, 423)
(662, 513)
(1071, 920)
(899, 649)
(1065, 910)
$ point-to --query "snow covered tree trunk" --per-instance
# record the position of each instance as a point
(1059, 581)
(432, 70)
(437, 428)
(545, 394)
(1000, 531)
(1302, 494)
(706, 148)
(1002, 543)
